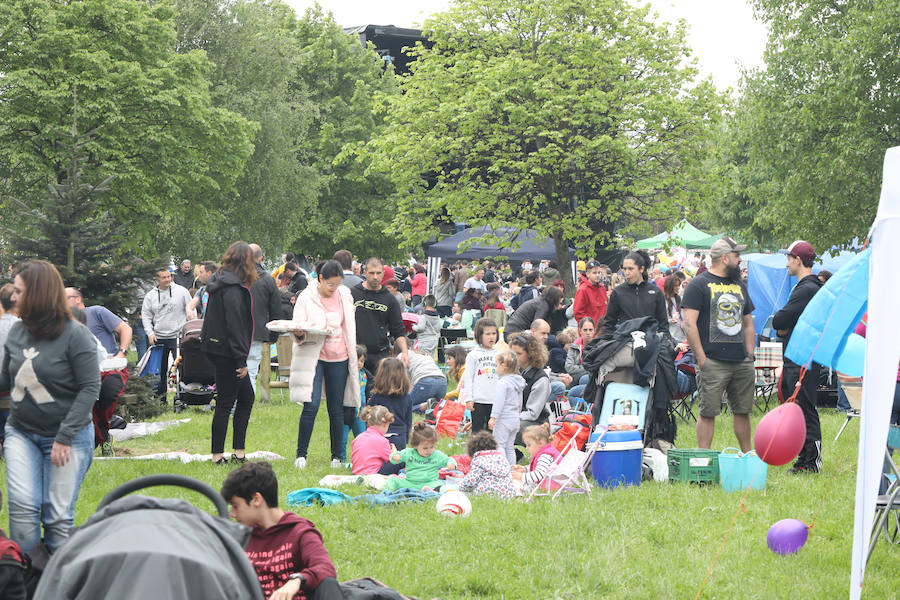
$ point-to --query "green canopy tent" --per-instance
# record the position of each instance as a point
(683, 234)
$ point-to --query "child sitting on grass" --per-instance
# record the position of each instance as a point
(504, 419)
(370, 449)
(489, 472)
(423, 462)
(286, 551)
(543, 454)
(391, 390)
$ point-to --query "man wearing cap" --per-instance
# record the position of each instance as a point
(800, 256)
(591, 298)
(718, 323)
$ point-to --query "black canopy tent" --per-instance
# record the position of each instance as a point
(516, 245)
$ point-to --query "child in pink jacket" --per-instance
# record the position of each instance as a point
(371, 449)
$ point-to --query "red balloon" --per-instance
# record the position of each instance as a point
(780, 434)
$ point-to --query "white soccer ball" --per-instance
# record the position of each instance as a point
(454, 503)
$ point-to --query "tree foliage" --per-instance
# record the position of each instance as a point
(173, 155)
(70, 229)
(254, 50)
(807, 140)
(342, 80)
(570, 117)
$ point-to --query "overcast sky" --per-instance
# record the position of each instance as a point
(723, 33)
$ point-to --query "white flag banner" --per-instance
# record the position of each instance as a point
(882, 358)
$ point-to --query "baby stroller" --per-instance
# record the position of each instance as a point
(195, 375)
(159, 548)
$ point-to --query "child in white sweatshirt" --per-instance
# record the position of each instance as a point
(504, 419)
(480, 378)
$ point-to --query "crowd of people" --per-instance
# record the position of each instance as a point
(64, 367)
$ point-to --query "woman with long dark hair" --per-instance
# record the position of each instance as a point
(52, 368)
(325, 361)
(537, 308)
(226, 337)
(637, 297)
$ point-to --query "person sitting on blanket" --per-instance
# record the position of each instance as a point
(423, 462)
(489, 472)
(371, 449)
(287, 551)
(537, 440)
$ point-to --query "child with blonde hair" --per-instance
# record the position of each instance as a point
(543, 454)
(371, 449)
(507, 405)
(423, 461)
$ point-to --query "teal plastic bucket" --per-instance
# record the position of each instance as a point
(738, 470)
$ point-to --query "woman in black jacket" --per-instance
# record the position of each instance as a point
(637, 297)
(538, 308)
(227, 333)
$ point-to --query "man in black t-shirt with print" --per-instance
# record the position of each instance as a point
(718, 323)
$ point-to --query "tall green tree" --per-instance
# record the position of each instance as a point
(254, 49)
(173, 155)
(816, 121)
(570, 117)
(69, 228)
(343, 81)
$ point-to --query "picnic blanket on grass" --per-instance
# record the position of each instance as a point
(186, 457)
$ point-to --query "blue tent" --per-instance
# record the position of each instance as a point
(770, 285)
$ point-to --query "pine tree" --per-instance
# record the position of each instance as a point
(69, 229)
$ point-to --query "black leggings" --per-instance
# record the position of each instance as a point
(228, 389)
(481, 414)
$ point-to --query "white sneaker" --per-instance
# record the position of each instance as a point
(336, 463)
(300, 463)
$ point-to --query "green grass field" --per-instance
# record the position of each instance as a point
(652, 541)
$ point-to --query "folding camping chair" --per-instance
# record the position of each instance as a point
(684, 403)
(887, 507)
(567, 473)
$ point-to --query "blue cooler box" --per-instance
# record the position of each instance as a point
(618, 459)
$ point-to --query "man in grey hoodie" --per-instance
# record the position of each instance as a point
(163, 316)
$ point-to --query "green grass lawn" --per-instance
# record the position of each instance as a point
(651, 541)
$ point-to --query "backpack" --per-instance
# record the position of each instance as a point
(13, 570)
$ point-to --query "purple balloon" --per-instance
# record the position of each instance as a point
(787, 536)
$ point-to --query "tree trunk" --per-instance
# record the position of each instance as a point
(70, 257)
(563, 262)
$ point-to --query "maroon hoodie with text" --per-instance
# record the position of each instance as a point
(293, 545)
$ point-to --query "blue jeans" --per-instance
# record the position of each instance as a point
(843, 403)
(38, 491)
(557, 388)
(139, 337)
(351, 422)
(334, 375)
(427, 387)
(253, 360)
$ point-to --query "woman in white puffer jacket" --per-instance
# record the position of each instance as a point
(324, 361)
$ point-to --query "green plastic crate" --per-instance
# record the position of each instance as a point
(695, 465)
